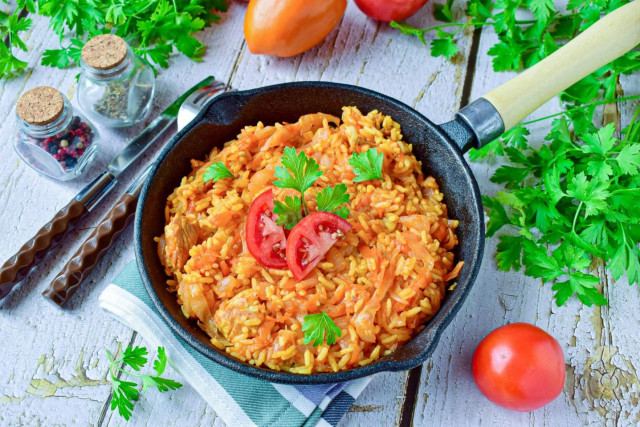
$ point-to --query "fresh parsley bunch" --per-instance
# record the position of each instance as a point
(580, 196)
(124, 393)
(154, 28)
(575, 198)
(522, 42)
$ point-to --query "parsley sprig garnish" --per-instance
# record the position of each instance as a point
(124, 393)
(367, 166)
(319, 326)
(299, 173)
(216, 171)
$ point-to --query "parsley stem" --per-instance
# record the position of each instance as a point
(129, 373)
(633, 125)
(575, 217)
(304, 204)
(555, 18)
(115, 363)
(582, 107)
(415, 30)
(112, 364)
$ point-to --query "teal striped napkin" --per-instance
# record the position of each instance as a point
(238, 399)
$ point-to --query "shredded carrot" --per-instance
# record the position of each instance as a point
(454, 273)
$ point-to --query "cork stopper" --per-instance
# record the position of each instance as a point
(40, 105)
(104, 52)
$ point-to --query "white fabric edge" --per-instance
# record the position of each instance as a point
(355, 387)
(129, 310)
(325, 402)
(323, 423)
(296, 398)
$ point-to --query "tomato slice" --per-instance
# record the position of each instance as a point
(265, 239)
(310, 240)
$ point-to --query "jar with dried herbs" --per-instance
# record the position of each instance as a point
(116, 87)
(53, 138)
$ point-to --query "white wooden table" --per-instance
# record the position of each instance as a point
(54, 366)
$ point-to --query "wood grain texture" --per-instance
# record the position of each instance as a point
(55, 367)
(600, 344)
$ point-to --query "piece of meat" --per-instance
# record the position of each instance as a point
(241, 310)
(180, 235)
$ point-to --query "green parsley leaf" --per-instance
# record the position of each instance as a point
(162, 384)
(506, 56)
(581, 284)
(135, 357)
(442, 12)
(538, 263)
(367, 166)
(444, 47)
(298, 172)
(318, 326)
(160, 364)
(124, 393)
(599, 143)
(509, 253)
(592, 193)
(216, 171)
(541, 8)
(63, 58)
(629, 159)
(10, 28)
(330, 199)
(289, 213)
(497, 215)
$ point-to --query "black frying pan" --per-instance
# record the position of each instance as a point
(440, 148)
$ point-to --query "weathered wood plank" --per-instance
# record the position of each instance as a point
(55, 365)
(600, 344)
(64, 358)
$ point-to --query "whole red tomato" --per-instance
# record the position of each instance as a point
(289, 27)
(519, 366)
(390, 10)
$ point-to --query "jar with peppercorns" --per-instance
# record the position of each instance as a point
(116, 87)
(53, 138)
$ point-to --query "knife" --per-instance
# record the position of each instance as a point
(39, 247)
(116, 221)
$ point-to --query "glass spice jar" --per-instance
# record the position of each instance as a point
(116, 87)
(53, 139)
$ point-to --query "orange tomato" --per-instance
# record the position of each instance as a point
(289, 27)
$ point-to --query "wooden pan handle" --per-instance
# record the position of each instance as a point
(40, 246)
(68, 281)
(606, 40)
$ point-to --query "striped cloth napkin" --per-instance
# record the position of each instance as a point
(238, 399)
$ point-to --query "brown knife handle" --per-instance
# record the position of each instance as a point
(39, 247)
(92, 250)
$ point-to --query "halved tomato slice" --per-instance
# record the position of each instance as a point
(310, 240)
(265, 239)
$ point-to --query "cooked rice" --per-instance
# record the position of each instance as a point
(379, 284)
